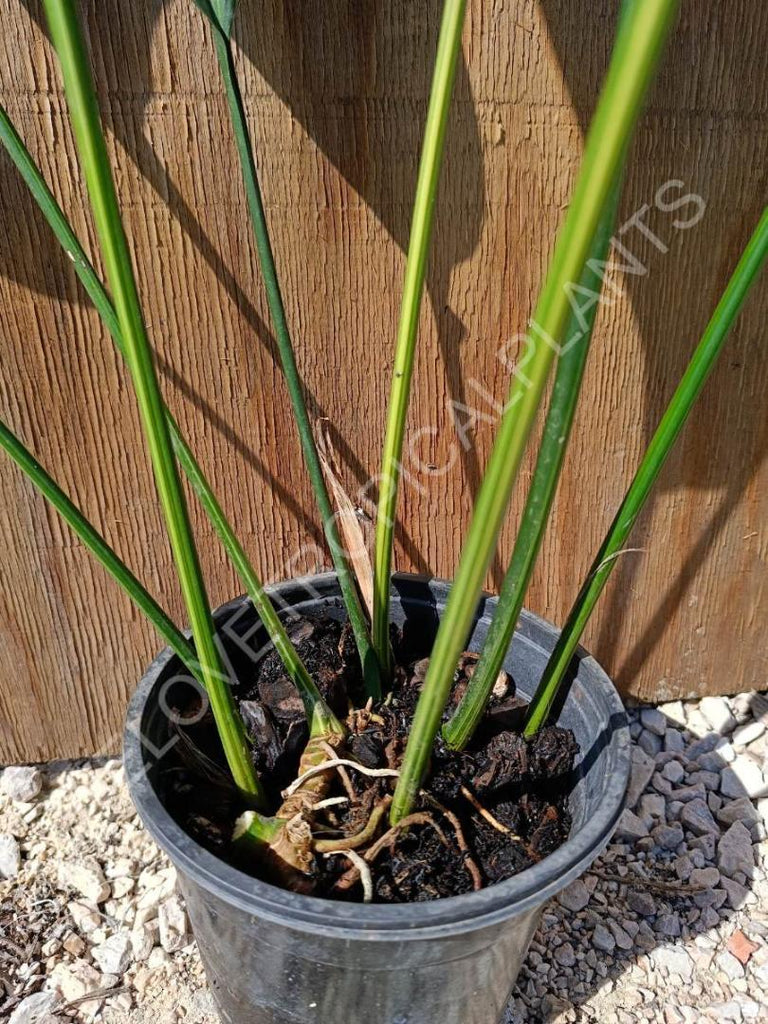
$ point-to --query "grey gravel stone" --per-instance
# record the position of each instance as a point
(643, 768)
(673, 771)
(565, 955)
(697, 817)
(641, 902)
(650, 742)
(654, 720)
(668, 925)
(734, 852)
(575, 897)
(602, 939)
(668, 837)
(709, 877)
(630, 827)
(742, 810)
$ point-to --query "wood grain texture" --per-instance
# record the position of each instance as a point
(336, 93)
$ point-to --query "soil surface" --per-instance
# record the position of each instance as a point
(485, 813)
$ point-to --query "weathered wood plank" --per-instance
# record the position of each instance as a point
(336, 93)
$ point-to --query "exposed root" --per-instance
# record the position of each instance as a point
(332, 801)
(487, 816)
(360, 838)
(348, 879)
(343, 774)
(362, 869)
(469, 863)
(325, 766)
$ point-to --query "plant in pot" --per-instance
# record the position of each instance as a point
(370, 784)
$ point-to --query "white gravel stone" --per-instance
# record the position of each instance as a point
(21, 783)
(35, 1009)
(115, 955)
(743, 777)
(10, 856)
(748, 733)
(717, 714)
(87, 877)
(173, 925)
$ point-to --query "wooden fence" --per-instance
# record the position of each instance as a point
(336, 93)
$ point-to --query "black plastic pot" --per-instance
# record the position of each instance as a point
(274, 957)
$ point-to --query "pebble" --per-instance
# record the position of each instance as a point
(575, 897)
(565, 955)
(668, 925)
(35, 1009)
(642, 769)
(734, 852)
(743, 777)
(697, 817)
(673, 771)
(668, 837)
(172, 919)
(22, 784)
(654, 720)
(641, 902)
(630, 827)
(602, 939)
(748, 733)
(87, 877)
(742, 810)
(717, 714)
(10, 856)
(115, 954)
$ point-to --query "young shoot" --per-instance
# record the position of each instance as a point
(633, 62)
(672, 422)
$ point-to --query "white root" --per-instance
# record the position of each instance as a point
(332, 801)
(365, 872)
(339, 762)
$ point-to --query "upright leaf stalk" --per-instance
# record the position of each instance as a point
(98, 547)
(557, 428)
(319, 714)
(688, 390)
(448, 48)
(630, 73)
(346, 580)
(78, 85)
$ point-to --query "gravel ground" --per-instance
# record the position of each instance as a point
(670, 925)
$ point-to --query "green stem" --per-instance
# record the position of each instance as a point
(96, 544)
(84, 114)
(688, 390)
(630, 73)
(557, 428)
(346, 580)
(448, 49)
(318, 712)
